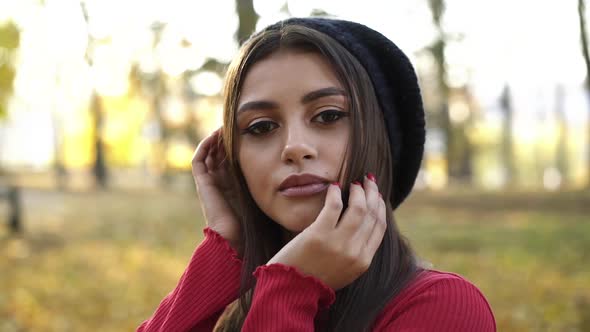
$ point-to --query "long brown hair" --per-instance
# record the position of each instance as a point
(357, 305)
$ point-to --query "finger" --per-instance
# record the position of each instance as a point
(221, 148)
(220, 155)
(356, 211)
(372, 194)
(201, 153)
(378, 232)
(372, 198)
(205, 145)
(332, 209)
(210, 162)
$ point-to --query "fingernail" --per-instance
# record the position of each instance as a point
(337, 184)
(371, 177)
(356, 182)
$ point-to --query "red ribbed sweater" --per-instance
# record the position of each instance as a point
(286, 300)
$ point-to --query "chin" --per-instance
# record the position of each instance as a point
(296, 222)
(295, 228)
(295, 217)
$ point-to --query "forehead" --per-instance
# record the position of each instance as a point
(288, 72)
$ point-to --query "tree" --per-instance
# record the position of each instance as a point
(247, 19)
(99, 168)
(9, 41)
(507, 141)
(586, 54)
(158, 91)
(561, 149)
(458, 147)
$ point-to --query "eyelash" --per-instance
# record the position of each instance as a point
(338, 114)
(251, 130)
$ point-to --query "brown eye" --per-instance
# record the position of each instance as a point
(330, 116)
(261, 128)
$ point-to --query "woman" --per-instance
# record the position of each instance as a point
(322, 139)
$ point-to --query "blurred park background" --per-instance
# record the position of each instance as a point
(102, 104)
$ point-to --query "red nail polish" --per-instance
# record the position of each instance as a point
(371, 177)
(337, 184)
(356, 182)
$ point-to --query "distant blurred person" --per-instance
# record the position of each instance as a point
(322, 138)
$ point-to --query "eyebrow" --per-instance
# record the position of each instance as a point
(325, 92)
(306, 99)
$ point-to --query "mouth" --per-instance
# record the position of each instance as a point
(301, 185)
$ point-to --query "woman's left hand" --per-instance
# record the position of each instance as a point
(339, 251)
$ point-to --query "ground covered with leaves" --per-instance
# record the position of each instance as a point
(104, 260)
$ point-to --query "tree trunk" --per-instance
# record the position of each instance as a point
(465, 165)
(60, 172)
(561, 153)
(507, 139)
(99, 168)
(458, 150)
(586, 54)
(158, 107)
(14, 200)
(443, 117)
(247, 19)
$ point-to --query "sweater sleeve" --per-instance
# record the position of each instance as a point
(451, 304)
(286, 300)
(209, 283)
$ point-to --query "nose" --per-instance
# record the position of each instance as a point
(298, 146)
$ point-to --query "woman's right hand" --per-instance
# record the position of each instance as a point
(337, 250)
(209, 167)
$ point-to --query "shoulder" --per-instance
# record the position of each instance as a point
(438, 301)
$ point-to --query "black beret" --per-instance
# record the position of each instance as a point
(396, 87)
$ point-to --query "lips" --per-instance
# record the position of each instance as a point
(298, 185)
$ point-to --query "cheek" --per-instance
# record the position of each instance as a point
(337, 150)
(247, 165)
(254, 167)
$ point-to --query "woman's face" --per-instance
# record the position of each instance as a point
(293, 127)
